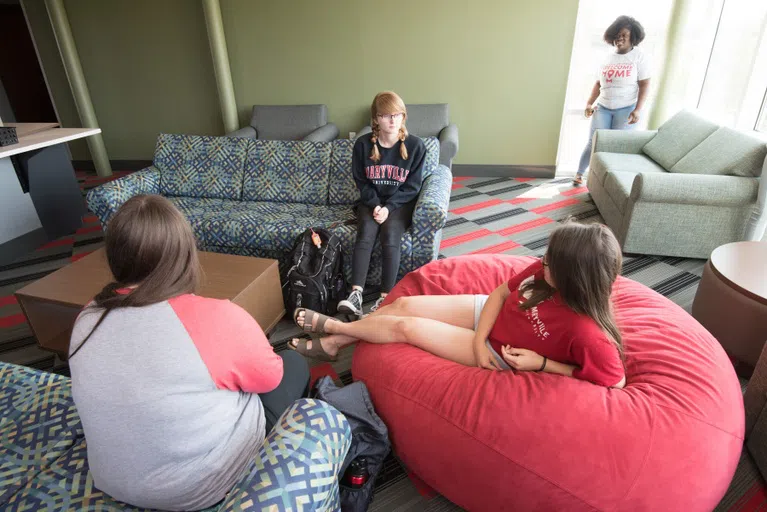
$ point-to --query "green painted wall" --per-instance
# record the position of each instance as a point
(148, 68)
(501, 65)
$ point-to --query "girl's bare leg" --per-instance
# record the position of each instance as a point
(456, 310)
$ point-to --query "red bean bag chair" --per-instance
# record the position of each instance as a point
(670, 440)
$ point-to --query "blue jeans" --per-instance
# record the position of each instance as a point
(605, 119)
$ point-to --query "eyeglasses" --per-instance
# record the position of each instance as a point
(390, 116)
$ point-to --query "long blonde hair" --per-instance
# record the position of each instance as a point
(387, 102)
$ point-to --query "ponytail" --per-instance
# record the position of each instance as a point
(402, 148)
(375, 155)
(108, 298)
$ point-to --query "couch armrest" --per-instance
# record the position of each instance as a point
(448, 144)
(430, 215)
(697, 189)
(105, 199)
(309, 449)
(323, 133)
(622, 141)
(364, 130)
(246, 132)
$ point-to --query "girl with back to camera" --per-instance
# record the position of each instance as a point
(621, 87)
(387, 165)
(555, 316)
(167, 383)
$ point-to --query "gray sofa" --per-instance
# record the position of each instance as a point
(289, 122)
(682, 190)
(432, 120)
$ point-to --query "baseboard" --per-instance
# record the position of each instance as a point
(505, 171)
(117, 165)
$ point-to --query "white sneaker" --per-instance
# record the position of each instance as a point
(377, 305)
(353, 304)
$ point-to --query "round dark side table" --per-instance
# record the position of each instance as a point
(731, 301)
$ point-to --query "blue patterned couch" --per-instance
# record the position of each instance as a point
(43, 463)
(254, 197)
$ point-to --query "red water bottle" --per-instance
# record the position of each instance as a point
(357, 473)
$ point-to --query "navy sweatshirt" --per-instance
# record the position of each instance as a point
(392, 181)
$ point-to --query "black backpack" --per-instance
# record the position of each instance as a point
(370, 439)
(315, 276)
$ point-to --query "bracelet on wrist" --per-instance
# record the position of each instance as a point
(543, 366)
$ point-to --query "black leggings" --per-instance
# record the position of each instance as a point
(294, 385)
(391, 237)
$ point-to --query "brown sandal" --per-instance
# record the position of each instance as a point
(578, 180)
(316, 352)
(309, 321)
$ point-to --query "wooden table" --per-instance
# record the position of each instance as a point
(52, 304)
(731, 301)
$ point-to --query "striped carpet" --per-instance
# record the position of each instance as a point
(487, 215)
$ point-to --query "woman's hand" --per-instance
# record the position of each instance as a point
(589, 111)
(522, 359)
(380, 214)
(484, 358)
(634, 117)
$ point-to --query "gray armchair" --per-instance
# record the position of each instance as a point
(432, 120)
(289, 122)
(682, 190)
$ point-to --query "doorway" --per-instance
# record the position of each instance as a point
(24, 95)
(589, 49)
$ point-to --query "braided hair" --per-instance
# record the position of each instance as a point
(387, 102)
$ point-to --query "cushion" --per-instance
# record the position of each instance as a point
(670, 440)
(618, 186)
(432, 155)
(287, 171)
(199, 166)
(725, 152)
(264, 225)
(287, 122)
(343, 189)
(38, 424)
(677, 137)
(427, 120)
(602, 163)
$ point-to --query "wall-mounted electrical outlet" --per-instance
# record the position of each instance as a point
(352, 135)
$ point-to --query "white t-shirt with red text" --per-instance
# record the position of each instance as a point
(618, 77)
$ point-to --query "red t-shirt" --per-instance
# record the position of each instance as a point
(555, 331)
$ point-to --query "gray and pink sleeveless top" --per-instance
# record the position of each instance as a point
(167, 398)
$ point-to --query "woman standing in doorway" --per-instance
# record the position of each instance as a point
(387, 165)
(624, 78)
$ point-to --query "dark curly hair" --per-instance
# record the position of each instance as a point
(636, 29)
